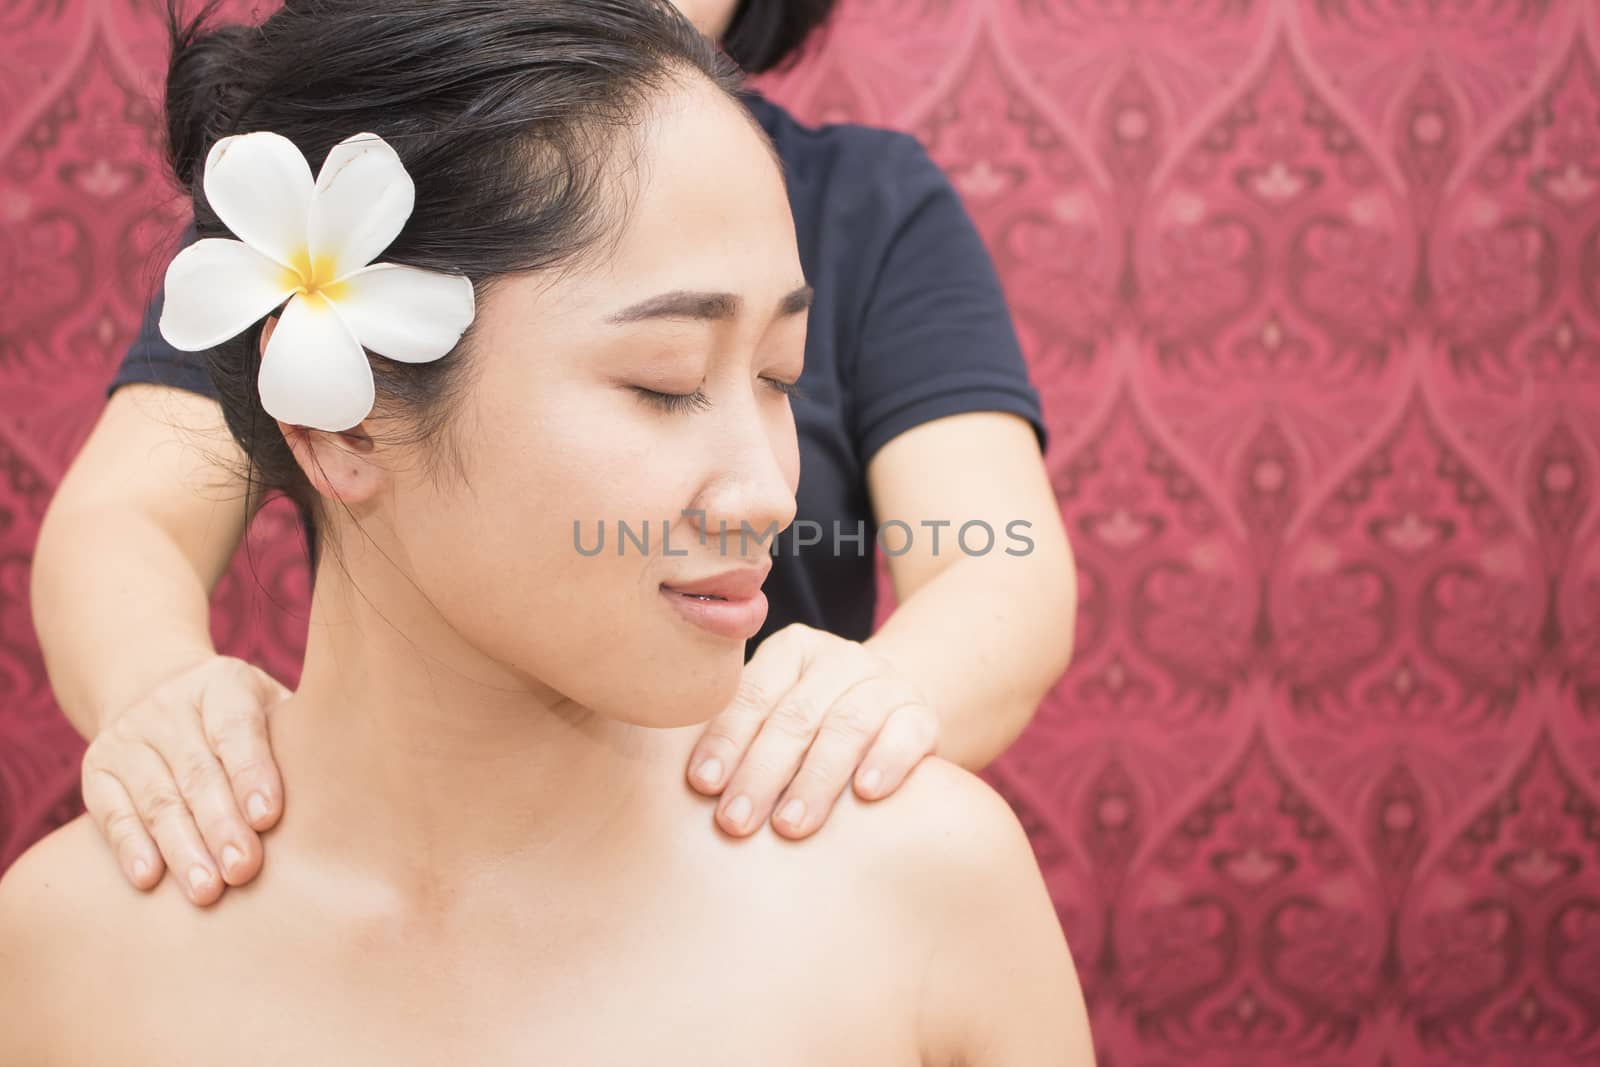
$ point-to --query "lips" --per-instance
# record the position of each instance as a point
(739, 584)
(730, 605)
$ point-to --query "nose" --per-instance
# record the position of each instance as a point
(750, 496)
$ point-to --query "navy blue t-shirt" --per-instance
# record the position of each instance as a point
(908, 324)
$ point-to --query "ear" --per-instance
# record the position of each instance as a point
(338, 465)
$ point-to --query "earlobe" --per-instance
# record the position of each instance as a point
(338, 465)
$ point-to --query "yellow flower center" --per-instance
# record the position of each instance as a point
(313, 277)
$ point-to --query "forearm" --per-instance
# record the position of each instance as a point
(118, 608)
(985, 639)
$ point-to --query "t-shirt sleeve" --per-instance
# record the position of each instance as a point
(936, 337)
(151, 359)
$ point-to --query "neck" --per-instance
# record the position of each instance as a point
(410, 755)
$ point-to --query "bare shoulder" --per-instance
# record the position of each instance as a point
(66, 917)
(64, 896)
(49, 893)
(40, 944)
(941, 834)
(997, 981)
(952, 811)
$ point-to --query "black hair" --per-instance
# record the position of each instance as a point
(771, 34)
(506, 113)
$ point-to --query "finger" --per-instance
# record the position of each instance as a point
(234, 718)
(775, 667)
(112, 811)
(908, 736)
(156, 797)
(184, 745)
(848, 731)
(773, 757)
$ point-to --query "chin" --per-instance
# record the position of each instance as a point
(697, 696)
(668, 690)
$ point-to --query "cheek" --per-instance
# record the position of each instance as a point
(541, 470)
(503, 567)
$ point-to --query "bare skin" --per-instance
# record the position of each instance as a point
(674, 943)
(493, 855)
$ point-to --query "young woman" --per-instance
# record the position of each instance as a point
(912, 367)
(492, 856)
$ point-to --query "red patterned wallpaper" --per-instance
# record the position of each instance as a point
(1312, 292)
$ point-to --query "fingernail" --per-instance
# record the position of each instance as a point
(793, 812)
(256, 806)
(199, 879)
(871, 780)
(739, 810)
(141, 870)
(710, 771)
(231, 858)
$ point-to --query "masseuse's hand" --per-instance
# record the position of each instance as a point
(184, 778)
(813, 709)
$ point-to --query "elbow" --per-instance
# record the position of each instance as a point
(1062, 613)
(1053, 592)
(58, 553)
(44, 572)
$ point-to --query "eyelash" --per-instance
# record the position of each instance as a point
(675, 402)
(788, 389)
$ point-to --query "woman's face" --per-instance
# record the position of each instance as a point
(701, 297)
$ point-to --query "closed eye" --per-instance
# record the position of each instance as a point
(698, 401)
(673, 402)
(789, 389)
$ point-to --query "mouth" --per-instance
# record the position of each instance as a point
(733, 618)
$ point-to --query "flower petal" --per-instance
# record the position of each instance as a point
(313, 372)
(362, 201)
(404, 313)
(260, 186)
(217, 288)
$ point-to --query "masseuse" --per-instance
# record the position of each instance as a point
(915, 413)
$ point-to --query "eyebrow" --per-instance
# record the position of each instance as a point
(690, 304)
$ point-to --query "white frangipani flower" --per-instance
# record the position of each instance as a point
(313, 244)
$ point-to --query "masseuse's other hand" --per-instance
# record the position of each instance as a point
(185, 778)
(813, 710)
